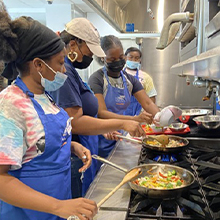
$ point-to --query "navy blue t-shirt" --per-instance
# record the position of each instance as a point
(75, 92)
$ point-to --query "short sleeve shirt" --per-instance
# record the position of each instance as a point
(146, 81)
(22, 135)
(99, 83)
(75, 92)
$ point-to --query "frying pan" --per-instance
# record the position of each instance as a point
(186, 175)
(157, 148)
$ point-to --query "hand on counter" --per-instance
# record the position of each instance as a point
(82, 153)
(83, 208)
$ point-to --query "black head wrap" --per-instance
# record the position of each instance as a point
(35, 41)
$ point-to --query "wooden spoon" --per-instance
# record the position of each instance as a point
(163, 139)
(128, 177)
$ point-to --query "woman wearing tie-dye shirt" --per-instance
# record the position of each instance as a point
(35, 134)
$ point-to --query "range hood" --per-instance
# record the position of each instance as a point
(206, 64)
(146, 15)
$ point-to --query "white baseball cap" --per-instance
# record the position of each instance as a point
(84, 30)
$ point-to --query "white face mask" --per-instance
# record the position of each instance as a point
(55, 84)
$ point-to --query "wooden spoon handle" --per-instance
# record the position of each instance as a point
(111, 193)
(129, 176)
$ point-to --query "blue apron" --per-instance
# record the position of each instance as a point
(91, 143)
(79, 188)
(134, 108)
(48, 173)
(116, 100)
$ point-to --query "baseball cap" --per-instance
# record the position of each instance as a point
(84, 30)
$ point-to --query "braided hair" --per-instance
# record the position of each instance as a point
(110, 41)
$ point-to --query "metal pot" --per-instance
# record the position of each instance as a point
(209, 122)
(178, 127)
(186, 175)
(188, 114)
(145, 144)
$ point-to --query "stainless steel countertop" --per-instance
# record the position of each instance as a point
(125, 154)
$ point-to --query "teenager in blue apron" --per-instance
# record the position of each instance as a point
(42, 181)
(44, 172)
(117, 100)
(113, 89)
(134, 108)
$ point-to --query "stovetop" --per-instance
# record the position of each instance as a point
(201, 201)
(195, 131)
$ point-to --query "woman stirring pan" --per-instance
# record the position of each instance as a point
(35, 134)
(82, 40)
(113, 88)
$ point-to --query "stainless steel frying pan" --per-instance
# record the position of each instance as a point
(145, 144)
(186, 175)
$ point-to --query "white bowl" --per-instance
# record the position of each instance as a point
(166, 118)
(156, 129)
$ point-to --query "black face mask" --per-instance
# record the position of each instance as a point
(86, 61)
(115, 66)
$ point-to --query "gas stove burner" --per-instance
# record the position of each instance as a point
(165, 158)
(147, 156)
(180, 208)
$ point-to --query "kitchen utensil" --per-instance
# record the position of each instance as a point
(178, 127)
(128, 177)
(162, 138)
(189, 114)
(209, 122)
(145, 144)
(186, 175)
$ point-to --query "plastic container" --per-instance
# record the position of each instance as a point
(130, 27)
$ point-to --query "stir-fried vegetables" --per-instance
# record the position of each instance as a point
(172, 143)
(169, 180)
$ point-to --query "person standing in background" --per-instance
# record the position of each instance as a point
(133, 59)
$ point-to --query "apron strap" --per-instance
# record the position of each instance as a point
(18, 82)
